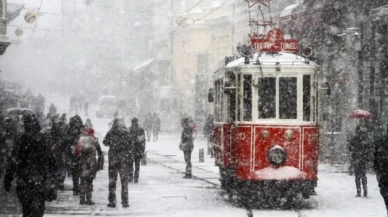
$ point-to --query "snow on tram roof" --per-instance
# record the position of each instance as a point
(273, 59)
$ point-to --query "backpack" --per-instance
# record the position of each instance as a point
(85, 146)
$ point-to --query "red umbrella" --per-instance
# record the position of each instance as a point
(360, 114)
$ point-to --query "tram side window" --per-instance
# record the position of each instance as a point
(217, 101)
(288, 98)
(306, 97)
(267, 98)
(247, 98)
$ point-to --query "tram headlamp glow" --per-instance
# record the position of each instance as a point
(265, 134)
(277, 155)
(288, 135)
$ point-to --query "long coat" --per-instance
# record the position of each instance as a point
(138, 141)
(118, 140)
(187, 138)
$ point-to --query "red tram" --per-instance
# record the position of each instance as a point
(266, 136)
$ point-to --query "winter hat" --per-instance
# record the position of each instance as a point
(89, 131)
(135, 120)
(62, 118)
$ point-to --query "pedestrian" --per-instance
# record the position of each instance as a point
(148, 125)
(30, 164)
(88, 123)
(118, 140)
(8, 137)
(86, 152)
(74, 133)
(155, 126)
(187, 145)
(86, 107)
(138, 144)
(359, 148)
(208, 131)
(52, 110)
(58, 136)
(381, 167)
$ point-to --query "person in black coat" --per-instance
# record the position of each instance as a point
(138, 144)
(359, 148)
(187, 145)
(381, 167)
(208, 131)
(74, 133)
(118, 140)
(58, 134)
(31, 164)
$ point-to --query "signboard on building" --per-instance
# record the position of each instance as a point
(274, 42)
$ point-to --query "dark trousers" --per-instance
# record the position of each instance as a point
(360, 178)
(187, 155)
(134, 162)
(76, 176)
(382, 180)
(86, 189)
(32, 200)
(122, 169)
(62, 167)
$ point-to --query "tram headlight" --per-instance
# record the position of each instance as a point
(277, 155)
(288, 135)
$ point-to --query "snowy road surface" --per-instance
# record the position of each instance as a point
(162, 191)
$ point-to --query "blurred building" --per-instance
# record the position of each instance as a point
(202, 37)
(4, 42)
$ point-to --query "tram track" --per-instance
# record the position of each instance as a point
(214, 185)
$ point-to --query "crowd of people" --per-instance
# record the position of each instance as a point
(46, 152)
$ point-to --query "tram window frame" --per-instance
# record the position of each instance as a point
(230, 97)
(308, 99)
(270, 99)
(288, 108)
(247, 97)
(217, 85)
(239, 97)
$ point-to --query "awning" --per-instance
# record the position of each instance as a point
(143, 64)
(13, 11)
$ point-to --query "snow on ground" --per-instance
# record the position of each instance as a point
(162, 191)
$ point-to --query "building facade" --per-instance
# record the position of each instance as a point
(4, 42)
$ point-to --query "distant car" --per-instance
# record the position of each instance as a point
(107, 106)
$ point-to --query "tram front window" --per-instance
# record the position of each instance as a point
(288, 98)
(267, 98)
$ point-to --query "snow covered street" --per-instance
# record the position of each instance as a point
(162, 191)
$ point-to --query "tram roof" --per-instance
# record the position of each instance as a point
(272, 59)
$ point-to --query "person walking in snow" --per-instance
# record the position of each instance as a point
(380, 165)
(187, 145)
(359, 146)
(58, 136)
(148, 125)
(31, 165)
(118, 139)
(74, 132)
(87, 148)
(52, 110)
(155, 127)
(208, 131)
(138, 144)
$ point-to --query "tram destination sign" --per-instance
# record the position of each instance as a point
(274, 42)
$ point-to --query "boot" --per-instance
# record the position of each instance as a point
(111, 205)
(82, 201)
(188, 176)
(89, 202)
(125, 205)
